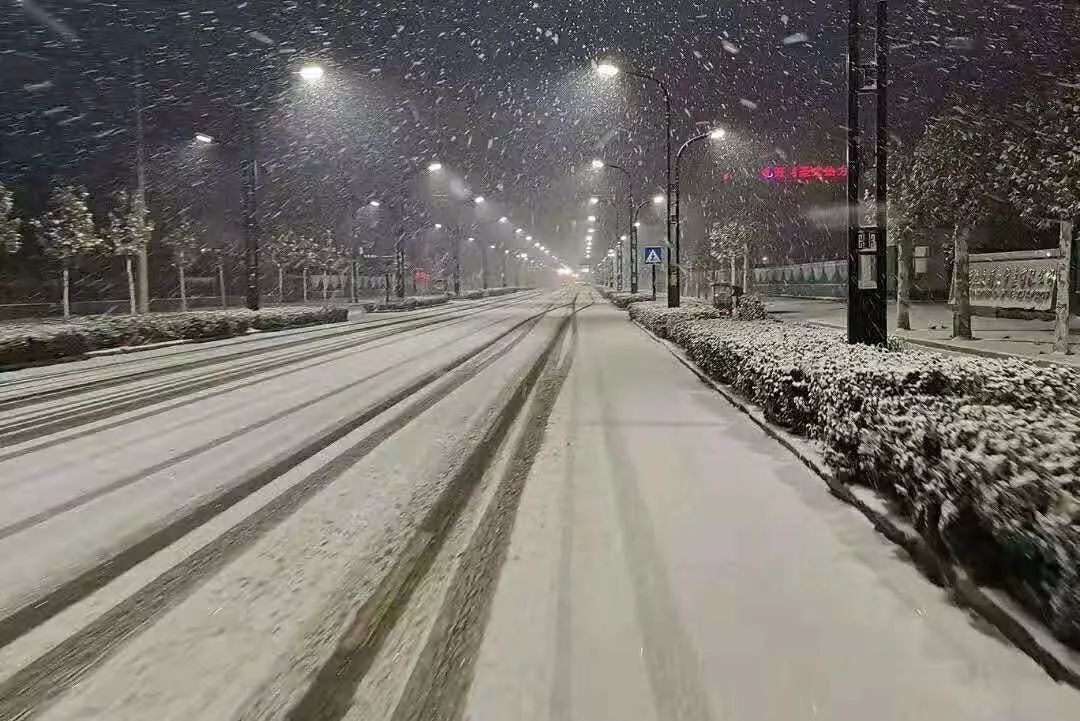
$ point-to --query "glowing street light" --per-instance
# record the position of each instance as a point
(434, 167)
(504, 219)
(518, 231)
(374, 203)
(528, 238)
(607, 70)
(471, 239)
(203, 138)
(717, 134)
(594, 200)
(597, 163)
(312, 73)
(592, 218)
(658, 199)
(438, 226)
(478, 200)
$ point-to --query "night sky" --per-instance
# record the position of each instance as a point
(501, 92)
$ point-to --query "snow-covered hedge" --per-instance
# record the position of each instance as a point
(411, 302)
(662, 320)
(750, 307)
(489, 292)
(623, 300)
(507, 290)
(983, 454)
(995, 487)
(23, 343)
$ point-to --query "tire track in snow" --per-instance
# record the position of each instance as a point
(66, 418)
(52, 673)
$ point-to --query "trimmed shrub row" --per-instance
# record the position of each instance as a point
(982, 454)
(411, 302)
(624, 300)
(490, 292)
(24, 343)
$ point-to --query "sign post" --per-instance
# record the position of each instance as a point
(867, 304)
(654, 256)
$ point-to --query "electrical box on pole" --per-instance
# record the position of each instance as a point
(867, 309)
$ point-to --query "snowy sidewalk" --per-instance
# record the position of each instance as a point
(931, 323)
(669, 562)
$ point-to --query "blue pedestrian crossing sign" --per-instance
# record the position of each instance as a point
(654, 254)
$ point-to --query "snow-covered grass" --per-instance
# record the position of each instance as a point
(983, 454)
(27, 343)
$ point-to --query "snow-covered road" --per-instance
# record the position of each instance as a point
(519, 508)
(202, 519)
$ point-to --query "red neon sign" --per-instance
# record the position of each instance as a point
(803, 173)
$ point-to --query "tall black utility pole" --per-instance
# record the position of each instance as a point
(867, 282)
(250, 173)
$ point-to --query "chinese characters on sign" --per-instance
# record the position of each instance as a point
(803, 173)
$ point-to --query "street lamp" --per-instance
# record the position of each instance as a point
(658, 199)
(594, 200)
(633, 237)
(673, 252)
(311, 73)
(478, 199)
(504, 219)
(374, 203)
(434, 167)
(597, 163)
(203, 138)
(610, 70)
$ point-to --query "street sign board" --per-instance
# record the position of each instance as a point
(654, 254)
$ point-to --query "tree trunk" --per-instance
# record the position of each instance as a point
(732, 271)
(325, 285)
(747, 269)
(961, 271)
(904, 273)
(183, 288)
(1064, 291)
(221, 284)
(305, 284)
(144, 280)
(281, 284)
(66, 301)
(131, 284)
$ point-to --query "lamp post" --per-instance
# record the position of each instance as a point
(598, 164)
(715, 134)
(610, 70)
(476, 226)
(249, 171)
(397, 207)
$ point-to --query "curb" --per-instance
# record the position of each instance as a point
(940, 571)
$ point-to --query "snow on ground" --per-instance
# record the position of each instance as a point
(671, 561)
